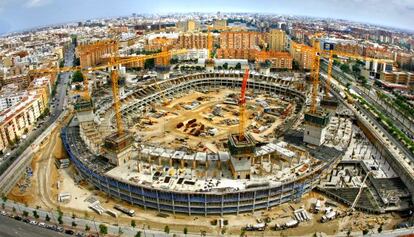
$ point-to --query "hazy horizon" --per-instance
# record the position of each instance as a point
(19, 15)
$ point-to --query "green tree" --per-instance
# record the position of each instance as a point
(87, 228)
(133, 224)
(149, 63)
(25, 213)
(167, 229)
(14, 209)
(185, 230)
(238, 66)
(345, 68)
(242, 232)
(4, 198)
(103, 229)
(74, 224)
(77, 76)
(365, 231)
(47, 218)
(60, 220)
(138, 234)
(35, 215)
(225, 66)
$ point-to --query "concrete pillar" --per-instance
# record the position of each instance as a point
(170, 162)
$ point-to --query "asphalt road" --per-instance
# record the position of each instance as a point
(13, 228)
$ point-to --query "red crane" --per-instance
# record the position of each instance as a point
(242, 104)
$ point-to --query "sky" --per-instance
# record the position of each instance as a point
(18, 15)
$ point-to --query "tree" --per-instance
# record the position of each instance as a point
(3, 205)
(380, 229)
(103, 229)
(133, 224)
(238, 66)
(35, 215)
(185, 230)
(4, 198)
(87, 228)
(120, 232)
(345, 68)
(14, 209)
(167, 229)
(225, 66)
(25, 213)
(74, 224)
(47, 218)
(60, 220)
(365, 232)
(149, 63)
(76, 61)
(138, 234)
(77, 76)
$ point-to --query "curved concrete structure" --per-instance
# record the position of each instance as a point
(262, 196)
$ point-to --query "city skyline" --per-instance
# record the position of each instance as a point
(38, 13)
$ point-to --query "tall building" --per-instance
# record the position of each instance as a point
(186, 26)
(192, 41)
(239, 40)
(277, 40)
(191, 26)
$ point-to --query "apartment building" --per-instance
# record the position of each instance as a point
(239, 40)
(401, 78)
(277, 40)
(280, 60)
(19, 119)
(192, 41)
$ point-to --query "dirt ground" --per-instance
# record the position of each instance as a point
(279, 214)
(163, 129)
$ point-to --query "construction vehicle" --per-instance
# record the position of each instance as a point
(256, 227)
(328, 216)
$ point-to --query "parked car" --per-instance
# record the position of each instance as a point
(42, 224)
(69, 232)
(17, 218)
(33, 222)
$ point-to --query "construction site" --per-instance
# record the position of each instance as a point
(252, 148)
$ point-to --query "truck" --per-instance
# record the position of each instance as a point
(291, 224)
(256, 227)
(328, 216)
(125, 210)
(316, 207)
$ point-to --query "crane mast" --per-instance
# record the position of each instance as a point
(242, 104)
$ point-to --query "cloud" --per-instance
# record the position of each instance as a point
(36, 3)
